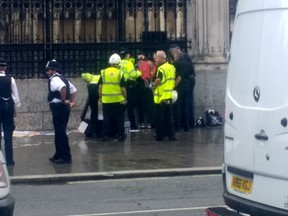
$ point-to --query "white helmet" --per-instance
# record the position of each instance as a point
(114, 59)
(174, 96)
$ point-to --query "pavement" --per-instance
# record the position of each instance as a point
(199, 151)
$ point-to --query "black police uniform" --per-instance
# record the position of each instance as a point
(181, 109)
(60, 117)
(7, 116)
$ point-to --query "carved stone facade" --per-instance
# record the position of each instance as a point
(207, 29)
(82, 34)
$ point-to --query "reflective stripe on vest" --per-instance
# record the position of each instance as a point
(111, 90)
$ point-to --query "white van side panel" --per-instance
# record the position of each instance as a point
(248, 5)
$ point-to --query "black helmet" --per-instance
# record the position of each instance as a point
(53, 64)
(123, 53)
(3, 63)
(174, 47)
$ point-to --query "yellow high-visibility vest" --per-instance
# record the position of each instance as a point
(164, 90)
(128, 70)
(90, 78)
(111, 90)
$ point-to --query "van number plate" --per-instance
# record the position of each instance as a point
(241, 184)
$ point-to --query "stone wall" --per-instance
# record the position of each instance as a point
(34, 113)
(208, 30)
(209, 92)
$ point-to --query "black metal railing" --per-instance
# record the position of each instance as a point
(82, 35)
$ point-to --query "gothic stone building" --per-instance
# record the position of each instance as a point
(82, 34)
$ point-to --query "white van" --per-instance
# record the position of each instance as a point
(7, 201)
(255, 171)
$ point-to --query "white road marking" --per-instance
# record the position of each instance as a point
(147, 211)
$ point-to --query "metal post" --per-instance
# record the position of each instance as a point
(48, 11)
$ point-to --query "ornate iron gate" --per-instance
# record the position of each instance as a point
(82, 34)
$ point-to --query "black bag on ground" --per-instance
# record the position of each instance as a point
(213, 118)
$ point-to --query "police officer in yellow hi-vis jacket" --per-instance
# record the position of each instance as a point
(93, 97)
(131, 76)
(112, 93)
(164, 84)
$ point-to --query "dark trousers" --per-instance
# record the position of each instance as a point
(95, 124)
(132, 94)
(60, 117)
(191, 114)
(180, 110)
(113, 117)
(7, 122)
(145, 107)
(164, 120)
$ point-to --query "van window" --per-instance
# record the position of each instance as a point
(261, 59)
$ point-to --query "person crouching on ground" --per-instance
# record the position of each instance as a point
(95, 129)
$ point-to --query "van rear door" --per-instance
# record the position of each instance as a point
(256, 132)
